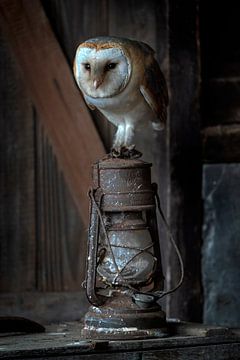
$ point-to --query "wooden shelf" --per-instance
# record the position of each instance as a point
(190, 341)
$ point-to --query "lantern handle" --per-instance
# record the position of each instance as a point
(171, 238)
(91, 194)
(90, 281)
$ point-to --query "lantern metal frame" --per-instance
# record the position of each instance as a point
(124, 186)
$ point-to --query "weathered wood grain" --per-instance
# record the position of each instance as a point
(220, 50)
(185, 158)
(70, 31)
(44, 306)
(17, 190)
(42, 237)
(64, 342)
(218, 352)
(220, 102)
(220, 110)
(50, 83)
(73, 22)
(221, 228)
(61, 235)
(221, 144)
(195, 329)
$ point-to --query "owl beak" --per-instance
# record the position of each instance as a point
(97, 83)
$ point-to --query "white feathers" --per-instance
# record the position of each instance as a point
(124, 135)
(99, 81)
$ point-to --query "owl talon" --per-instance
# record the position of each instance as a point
(126, 153)
(131, 153)
(116, 153)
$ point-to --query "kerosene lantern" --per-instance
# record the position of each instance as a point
(124, 271)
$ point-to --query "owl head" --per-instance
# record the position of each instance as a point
(102, 67)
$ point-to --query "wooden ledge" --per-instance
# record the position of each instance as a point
(63, 341)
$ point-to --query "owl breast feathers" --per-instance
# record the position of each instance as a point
(122, 79)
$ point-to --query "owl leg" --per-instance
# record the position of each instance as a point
(128, 136)
(119, 138)
(129, 150)
(123, 146)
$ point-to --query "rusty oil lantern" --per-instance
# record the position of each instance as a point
(124, 279)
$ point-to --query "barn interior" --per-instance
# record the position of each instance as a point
(49, 140)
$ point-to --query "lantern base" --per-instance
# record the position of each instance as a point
(112, 321)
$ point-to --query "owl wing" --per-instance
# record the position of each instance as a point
(92, 107)
(154, 91)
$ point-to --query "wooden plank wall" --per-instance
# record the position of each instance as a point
(56, 229)
(17, 195)
(43, 238)
(176, 152)
(73, 22)
(185, 157)
(220, 83)
(50, 84)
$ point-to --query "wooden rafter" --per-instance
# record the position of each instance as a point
(50, 83)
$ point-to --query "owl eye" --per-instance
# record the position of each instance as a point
(87, 66)
(110, 66)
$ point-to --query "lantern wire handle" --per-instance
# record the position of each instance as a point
(91, 195)
(158, 294)
(164, 293)
(118, 271)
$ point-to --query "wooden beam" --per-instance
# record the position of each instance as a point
(221, 144)
(185, 159)
(220, 101)
(64, 342)
(54, 93)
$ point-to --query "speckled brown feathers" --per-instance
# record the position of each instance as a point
(155, 89)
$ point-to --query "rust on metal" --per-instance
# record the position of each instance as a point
(124, 261)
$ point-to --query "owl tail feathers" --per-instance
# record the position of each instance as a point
(157, 126)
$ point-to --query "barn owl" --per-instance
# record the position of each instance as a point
(121, 78)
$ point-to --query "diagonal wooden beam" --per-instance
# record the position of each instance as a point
(50, 83)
